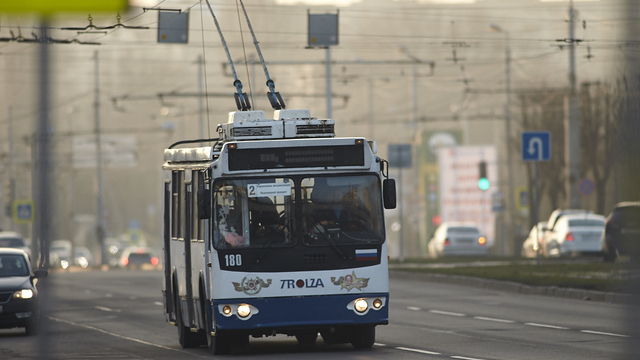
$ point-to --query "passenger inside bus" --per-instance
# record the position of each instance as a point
(229, 227)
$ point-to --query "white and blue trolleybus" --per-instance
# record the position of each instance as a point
(276, 227)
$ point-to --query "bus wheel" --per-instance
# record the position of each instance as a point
(363, 338)
(219, 344)
(307, 337)
(185, 336)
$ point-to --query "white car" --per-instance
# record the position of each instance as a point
(576, 234)
(14, 240)
(457, 239)
(530, 246)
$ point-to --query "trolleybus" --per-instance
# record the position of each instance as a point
(277, 227)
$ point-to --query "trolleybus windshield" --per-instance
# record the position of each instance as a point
(342, 210)
(264, 212)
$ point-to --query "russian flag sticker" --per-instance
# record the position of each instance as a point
(366, 254)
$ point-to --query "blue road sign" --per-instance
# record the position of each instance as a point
(536, 146)
(22, 211)
(586, 187)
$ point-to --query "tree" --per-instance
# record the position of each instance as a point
(601, 107)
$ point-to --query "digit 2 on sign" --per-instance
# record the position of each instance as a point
(233, 260)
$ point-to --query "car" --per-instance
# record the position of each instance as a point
(138, 256)
(551, 223)
(18, 291)
(578, 233)
(62, 251)
(60, 255)
(622, 231)
(531, 246)
(457, 238)
(82, 257)
(12, 239)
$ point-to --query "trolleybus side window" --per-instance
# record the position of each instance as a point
(342, 210)
(253, 213)
(177, 205)
(197, 181)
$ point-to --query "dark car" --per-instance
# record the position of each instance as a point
(18, 292)
(138, 257)
(622, 232)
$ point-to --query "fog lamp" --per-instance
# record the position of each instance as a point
(377, 303)
(244, 310)
(360, 305)
(226, 310)
(23, 315)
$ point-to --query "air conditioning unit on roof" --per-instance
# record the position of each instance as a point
(298, 123)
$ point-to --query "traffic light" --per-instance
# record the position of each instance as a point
(483, 181)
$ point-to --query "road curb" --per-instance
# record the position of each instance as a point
(508, 286)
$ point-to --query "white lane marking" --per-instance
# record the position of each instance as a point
(603, 333)
(417, 350)
(379, 344)
(125, 337)
(494, 319)
(464, 358)
(103, 308)
(158, 303)
(414, 308)
(446, 313)
(547, 326)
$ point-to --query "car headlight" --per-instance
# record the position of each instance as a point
(23, 294)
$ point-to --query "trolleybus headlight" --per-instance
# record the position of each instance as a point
(377, 304)
(226, 310)
(244, 310)
(360, 305)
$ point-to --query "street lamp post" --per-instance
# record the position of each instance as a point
(507, 132)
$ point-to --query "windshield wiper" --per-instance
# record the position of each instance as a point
(328, 238)
(267, 245)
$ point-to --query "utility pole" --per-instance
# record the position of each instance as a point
(100, 226)
(510, 192)
(201, 97)
(572, 122)
(328, 75)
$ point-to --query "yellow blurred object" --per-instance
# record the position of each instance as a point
(53, 6)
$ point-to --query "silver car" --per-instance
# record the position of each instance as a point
(457, 239)
(576, 234)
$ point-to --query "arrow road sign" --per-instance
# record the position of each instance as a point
(536, 146)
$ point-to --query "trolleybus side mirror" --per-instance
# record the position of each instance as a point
(204, 204)
(389, 193)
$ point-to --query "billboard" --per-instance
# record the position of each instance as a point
(460, 197)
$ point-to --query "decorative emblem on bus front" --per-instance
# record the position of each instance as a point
(350, 282)
(251, 286)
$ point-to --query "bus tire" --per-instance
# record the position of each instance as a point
(186, 338)
(364, 337)
(218, 344)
